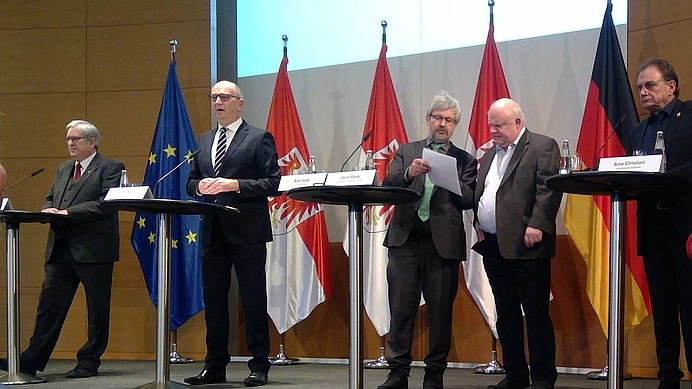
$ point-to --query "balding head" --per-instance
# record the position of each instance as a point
(505, 120)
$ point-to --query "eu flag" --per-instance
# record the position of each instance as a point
(173, 142)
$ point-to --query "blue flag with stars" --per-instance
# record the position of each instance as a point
(173, 142)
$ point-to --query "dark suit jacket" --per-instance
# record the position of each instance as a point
(523, 199)
(252, 160)
(678, 140)
(446, 224)
(92, 233)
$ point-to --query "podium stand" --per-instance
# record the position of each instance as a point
(13, 219)
(355, 197)
(620, 186)
(164, 208)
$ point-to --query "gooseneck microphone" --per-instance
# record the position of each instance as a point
(365, 137)
(615, 127)
(25, 178)
(193, 155)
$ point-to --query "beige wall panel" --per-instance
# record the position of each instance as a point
(42, 118)
(133, 321)
(43, 61)
(659, 42)
(136, 57)
(16, 14)
(135, 113)
(644, 14)
(121, 12)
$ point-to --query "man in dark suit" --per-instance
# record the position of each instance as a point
(664, 220)
(237, 166)
(81, 249)
(515, 222)
(426, 245)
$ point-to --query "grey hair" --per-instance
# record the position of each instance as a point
(442, 102)
(87, 129)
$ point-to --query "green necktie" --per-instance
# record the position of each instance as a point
(424, 204)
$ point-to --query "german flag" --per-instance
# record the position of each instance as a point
(609, 114)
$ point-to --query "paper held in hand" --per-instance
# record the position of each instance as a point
(637, 163)
(129, 193)
(443, 170)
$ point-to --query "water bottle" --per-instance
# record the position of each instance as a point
(565, 159)
(312, 168)
(660, 148)
(123, 178)
(369, 162)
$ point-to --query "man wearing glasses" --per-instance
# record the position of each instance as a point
(664, 220)
(79, 250)
(426, 242)
(237, 166)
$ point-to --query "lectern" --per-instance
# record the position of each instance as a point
(620, 186)
(355, 197)
(13, 219)
(164, 208)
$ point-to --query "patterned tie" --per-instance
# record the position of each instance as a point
(424, 204)
(77, 172)
(220, 151)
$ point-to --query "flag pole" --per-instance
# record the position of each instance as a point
(381, 361)
(281, 358)
(174, 357)
(493, 366)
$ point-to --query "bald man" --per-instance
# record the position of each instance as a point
(237, 166)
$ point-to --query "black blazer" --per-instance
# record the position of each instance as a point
(446, 224)
(92, 233)
(252, 160)
(523, 199)
(678, 140)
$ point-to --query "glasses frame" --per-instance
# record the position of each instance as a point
(224, 97)
(74, 139)
(446, 119)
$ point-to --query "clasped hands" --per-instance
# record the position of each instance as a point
(216, 185)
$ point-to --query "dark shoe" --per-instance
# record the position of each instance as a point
(256, 378)
(22, 368)
(396, 379)
(207, 377)
(432, 379)
(507, 384)
(541, 385)
(80, 371)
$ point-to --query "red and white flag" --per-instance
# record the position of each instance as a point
(490, 87)
(388, 132)
(298, 268)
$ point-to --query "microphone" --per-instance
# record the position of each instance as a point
(365, 137)
(25, 178)
(172, 170)
(615, 127)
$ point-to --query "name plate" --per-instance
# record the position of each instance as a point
(129, 193)
(6, 204)
(640, 163)
(301, 180)
(357, 177)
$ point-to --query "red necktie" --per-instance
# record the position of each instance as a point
(77, 172)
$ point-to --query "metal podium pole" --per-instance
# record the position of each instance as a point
(615, 299)
(355, 254)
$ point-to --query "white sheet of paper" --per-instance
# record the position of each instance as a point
(443, 170)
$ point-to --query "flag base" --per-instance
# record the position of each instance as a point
(379, 363)
(603, 374)
(282, 359)
(492, 367)
(176, 359)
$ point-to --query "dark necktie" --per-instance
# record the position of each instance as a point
(424, 204)
(220, 151)
(77, 172)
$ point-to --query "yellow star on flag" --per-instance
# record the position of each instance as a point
(187, 156)
(170, 151)
(191, 237)
(151, 237)
(140, 222)
(174, 243)
(152, 158)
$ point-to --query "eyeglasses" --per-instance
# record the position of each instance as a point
(440, 118)
(74, 139)
(222, 96)
(649, 85)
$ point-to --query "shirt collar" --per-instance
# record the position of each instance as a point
(444, 146)
(233, 127)
(86, 161)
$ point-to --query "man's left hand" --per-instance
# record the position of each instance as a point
(216, 185)
(532, 236)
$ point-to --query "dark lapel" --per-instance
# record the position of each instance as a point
(238, 138)
(486, 161)
(65, 179)
(522, 145)
(675, 117)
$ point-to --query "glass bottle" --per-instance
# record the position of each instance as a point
(660, 148)
(565, 159)
(123, 178)
(312, 168)
(369, 161)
